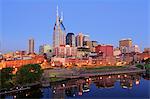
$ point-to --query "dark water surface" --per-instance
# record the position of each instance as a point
(123, 86)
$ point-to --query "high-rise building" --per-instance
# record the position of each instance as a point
(31, 46)
(79, 40)
(1, 56)
(125, 42)
(45, 49)
(125, 45)
(70, 39)
(59, 34)
(86, 38)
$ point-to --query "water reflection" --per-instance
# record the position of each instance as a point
(34, 92)
(77, 87)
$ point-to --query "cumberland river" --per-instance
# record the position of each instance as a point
(122, 86)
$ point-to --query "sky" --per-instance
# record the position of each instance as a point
(106, 21)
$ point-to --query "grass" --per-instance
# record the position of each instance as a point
(59, 74)
(56, 79)
(147, 66)
(106, 68)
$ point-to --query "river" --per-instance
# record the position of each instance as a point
(122, 86)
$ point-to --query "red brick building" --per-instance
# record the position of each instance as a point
(19, 63)
(106, 50)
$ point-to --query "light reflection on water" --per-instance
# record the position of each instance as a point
(107, 87)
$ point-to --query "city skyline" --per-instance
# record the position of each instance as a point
(113, 17)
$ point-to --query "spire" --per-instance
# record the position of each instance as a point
(57, 11)
(61, 16)
(57, 16)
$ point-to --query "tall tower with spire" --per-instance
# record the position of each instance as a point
(59, 33)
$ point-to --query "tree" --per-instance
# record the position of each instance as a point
(140, 66)
(147, 61)
(29, 74)
(6, 77)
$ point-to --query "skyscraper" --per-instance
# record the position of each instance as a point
(31, 46)
(45, 49)
(125, 42)
(125, 45)
(86, 38)
(59, 34)
(79, 40)
(70, 39)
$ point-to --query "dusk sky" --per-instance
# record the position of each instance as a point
(106, 21)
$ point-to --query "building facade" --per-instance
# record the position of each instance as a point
(86, 38)
(79, 40)
(91, 45)
(106, 50)
(65, 51)
(146, 49)
(116, 52)
(19, 63)
(135, 49)
(45, 49)
(31, 46)
(59, 34)
(125, 45)
(70, 39)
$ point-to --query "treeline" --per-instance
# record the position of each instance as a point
(146, 65)
(27, 74)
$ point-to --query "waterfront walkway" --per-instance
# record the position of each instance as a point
(101, 73)
(113, 72)
(13, 91)
(22, 88)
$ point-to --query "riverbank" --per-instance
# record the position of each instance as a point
(59, 74)
(93, 87)
(19, 88)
